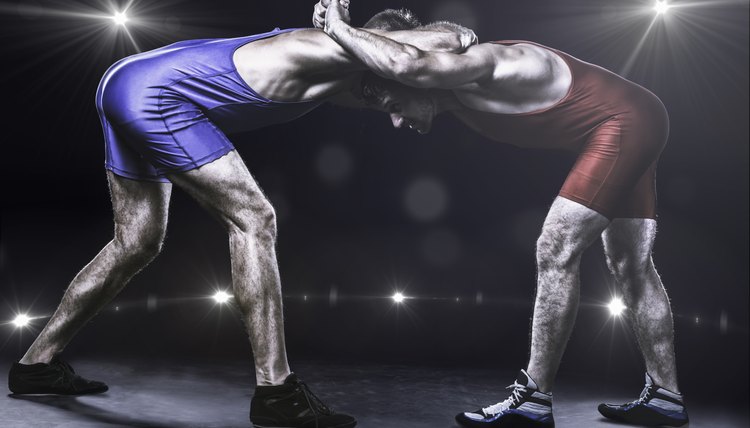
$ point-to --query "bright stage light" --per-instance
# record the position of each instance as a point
(222, 296)
(661, 7)
(120, 18)
(21, 320)
(398, 297)
(616, 307)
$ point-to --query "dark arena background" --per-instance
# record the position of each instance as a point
(448, 219)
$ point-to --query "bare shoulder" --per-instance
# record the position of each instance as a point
(296, 65)
(484, 51)
(524, 61)
(313, 46)
(526, 77)
(518, 51)
(309, 49)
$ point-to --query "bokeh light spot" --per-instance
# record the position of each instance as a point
(425, 199)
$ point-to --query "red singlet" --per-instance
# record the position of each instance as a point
(618, 127)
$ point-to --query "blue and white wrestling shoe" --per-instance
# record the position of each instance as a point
(656, 407)
(527, 407)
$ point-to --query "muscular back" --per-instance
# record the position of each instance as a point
(307, 64)
(525, 78)
(298, 65)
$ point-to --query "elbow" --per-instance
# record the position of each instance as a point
(410, 72)
(453, 43)
(402, 69)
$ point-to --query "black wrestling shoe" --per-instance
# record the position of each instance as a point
(293, 405)
(527, 407)
(656, 407)
(57, 377)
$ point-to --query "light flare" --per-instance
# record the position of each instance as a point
(616, 307)
(120, 18)
(21, 320)
(661, 7)
(221, 297)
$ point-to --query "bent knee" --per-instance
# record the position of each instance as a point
(258, 220)
(625, 265)
(554, 252)
(140, 244)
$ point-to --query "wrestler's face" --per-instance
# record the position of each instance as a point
(408, 108)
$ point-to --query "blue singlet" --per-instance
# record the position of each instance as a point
(168, 110)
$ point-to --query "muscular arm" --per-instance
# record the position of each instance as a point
(426, 40)
(411, 65)
(439, 36)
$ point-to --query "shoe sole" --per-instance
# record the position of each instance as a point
(58, 394)
(345, 425)
(661, 421)
(511, 420)
(647, 424)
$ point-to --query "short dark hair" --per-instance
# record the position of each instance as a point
(373, 88)
(446, 26)
(393, 20)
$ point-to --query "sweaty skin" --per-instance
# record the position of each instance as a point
(486, 77)
(293, 66)
(307, 65)
(506, 89)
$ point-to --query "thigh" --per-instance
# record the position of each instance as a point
(150, 127)
(139, 207)
(150, 148)
(640, 201)
(121, 157)
(226, 188)
(570, 227)
(629, 239)
(615, 171)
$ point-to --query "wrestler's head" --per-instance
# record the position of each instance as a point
(393, 20)
(408, 107)
(377, 92)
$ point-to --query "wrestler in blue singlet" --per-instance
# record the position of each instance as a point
(168, 110)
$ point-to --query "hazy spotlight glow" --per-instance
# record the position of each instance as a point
(616, 307)
(661, 7)
(120, 18)
(398, 297)
(21, 320)
(222, 296)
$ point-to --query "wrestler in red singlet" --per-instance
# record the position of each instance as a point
(619, 130)
(618, 127)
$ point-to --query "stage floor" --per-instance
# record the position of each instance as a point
(198, 394)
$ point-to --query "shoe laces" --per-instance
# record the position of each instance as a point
(645, 395)
(515, 398)
(315, 403)
(68, 374)
(63, 365)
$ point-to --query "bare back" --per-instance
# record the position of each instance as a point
(526, 78)
(299, 65)
(307, 65)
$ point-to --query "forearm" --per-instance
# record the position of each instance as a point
(426, 40)
(384, 56)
